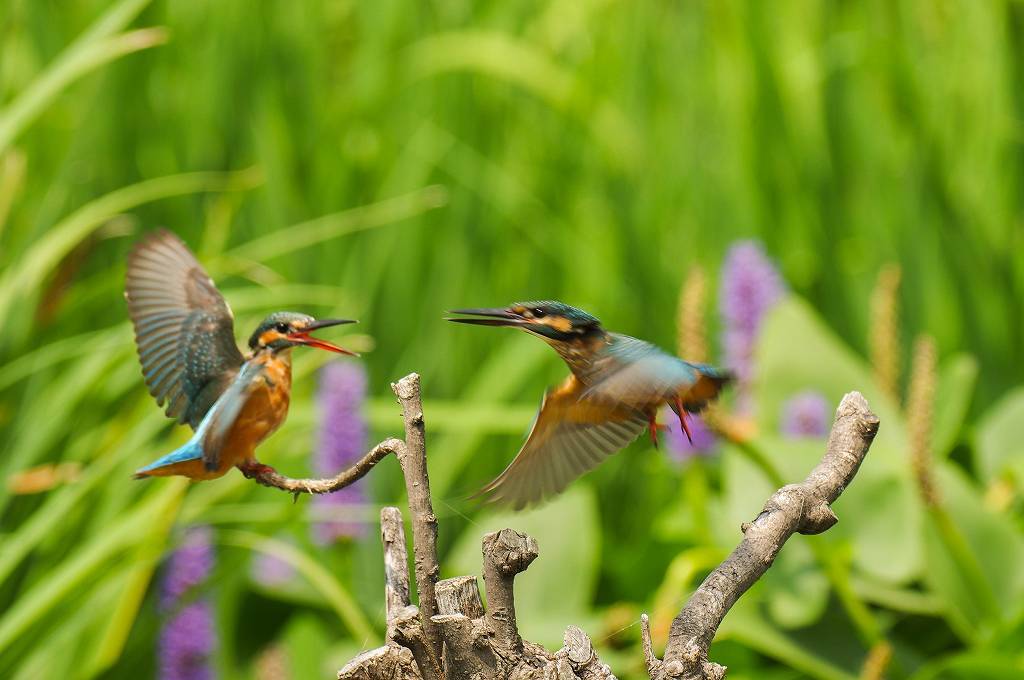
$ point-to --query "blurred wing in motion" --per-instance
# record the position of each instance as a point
(569, 437)
(184, 330)
(638, 374)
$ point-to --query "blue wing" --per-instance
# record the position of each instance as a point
(210, 437)
(637, 373)
(217, 424)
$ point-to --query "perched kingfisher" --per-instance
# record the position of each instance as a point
(616, 386)
(185, 336)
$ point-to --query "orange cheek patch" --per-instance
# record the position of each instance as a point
(268, 337)
(560, 324)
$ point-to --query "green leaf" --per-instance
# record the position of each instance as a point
(1000, 440)
(745, 624)
(305, 645)
(558, 588)
(996, 548)
(97, 46)
(796, 352)
(332, 590)
(795, 587)
(32, 266)
(882, 548)
(953, 393)
(87, 560)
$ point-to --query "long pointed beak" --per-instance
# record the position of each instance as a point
(495, 317)
(303, 337)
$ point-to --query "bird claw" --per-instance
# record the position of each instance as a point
(254, 468)
(653, 427)
(682, 420)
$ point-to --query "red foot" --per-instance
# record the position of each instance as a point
(653, 427)
(682, 420)
(254, 469)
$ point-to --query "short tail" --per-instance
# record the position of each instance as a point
(192, 450)
(707, 388)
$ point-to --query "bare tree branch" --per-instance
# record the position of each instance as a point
(396, 562)
(413, 459)
(506, 553)
(796, 508)
(450, 635)
(390, 662)
(268, 476)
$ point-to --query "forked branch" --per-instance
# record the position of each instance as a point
(450, 636)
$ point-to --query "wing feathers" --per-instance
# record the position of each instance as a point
(569, 438)
(183, 328)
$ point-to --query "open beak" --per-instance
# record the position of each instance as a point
(494, 317)
(303, 337)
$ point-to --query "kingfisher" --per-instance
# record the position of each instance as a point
(184, 333)
(613, 393)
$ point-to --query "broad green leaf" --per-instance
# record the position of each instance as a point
(558, 588)
(746, 625)
(973, 665)
(999, 445)
(880, 515)
(993, 543)
(795, 587)
(798, 352)
(957, 378)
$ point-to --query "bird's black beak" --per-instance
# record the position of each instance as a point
(494, 317)
(303, 337)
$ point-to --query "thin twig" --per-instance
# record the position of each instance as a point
(268, 476)
(796, 508)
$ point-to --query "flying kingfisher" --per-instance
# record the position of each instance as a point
(185, 336)
(616, 386)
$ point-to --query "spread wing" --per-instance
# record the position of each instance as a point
(570, 436)
(184, 330)
(639, 374)
(217, 424)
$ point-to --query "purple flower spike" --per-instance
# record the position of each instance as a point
(271, 571)
(342, 441)
(805, 414)
(188, 568)
(704, 440)
(187, 642)
(187, 639)
(751, 286)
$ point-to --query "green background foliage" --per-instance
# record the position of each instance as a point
(390, 160)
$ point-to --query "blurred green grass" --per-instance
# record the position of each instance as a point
(393, 160)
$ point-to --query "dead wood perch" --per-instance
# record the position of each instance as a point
(796, 508)
(449, 635)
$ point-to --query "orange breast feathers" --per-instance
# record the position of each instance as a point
(263, 413)
(564, 403)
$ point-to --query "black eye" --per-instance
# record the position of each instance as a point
(281, 327)
(539, 313)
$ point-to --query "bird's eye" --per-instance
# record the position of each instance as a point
(281, 328)
(539, 313)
